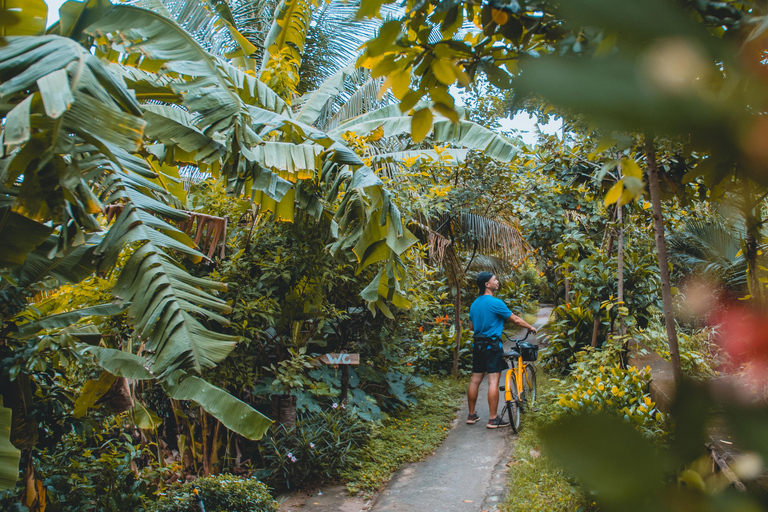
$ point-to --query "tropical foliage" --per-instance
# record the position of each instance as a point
(199, 198)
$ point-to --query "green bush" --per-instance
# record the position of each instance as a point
(223, 493)
(87, 473)
(597, 383)
(433, 354)
(316, 449)
(525, 288)
(699, 356)
(568, 332)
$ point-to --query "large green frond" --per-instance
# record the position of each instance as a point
(233, 413)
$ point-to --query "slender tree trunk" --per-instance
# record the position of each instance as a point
(457, 324)
(661, 249)
(624, 353)
(608, 236)
(753, 221)
(620, 267)
(751, 256)
(206, 443)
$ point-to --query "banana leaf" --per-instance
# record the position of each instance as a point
(20, 236)
(235, 414)
(9, 455)
(179, 385)
(69, 318)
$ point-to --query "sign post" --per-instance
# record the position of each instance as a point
(344, 360)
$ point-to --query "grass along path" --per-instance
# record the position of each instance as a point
(534, 483)
(408, 436)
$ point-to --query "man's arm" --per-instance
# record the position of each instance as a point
(519, 321)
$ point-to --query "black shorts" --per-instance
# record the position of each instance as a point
(487, 360)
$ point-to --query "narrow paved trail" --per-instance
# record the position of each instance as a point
(467, 472)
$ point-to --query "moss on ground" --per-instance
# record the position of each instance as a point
(408, 436)
(534, 483)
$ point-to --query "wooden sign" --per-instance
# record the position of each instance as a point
(342, 358)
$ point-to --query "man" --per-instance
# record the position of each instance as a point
(486, 319)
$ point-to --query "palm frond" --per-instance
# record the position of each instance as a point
(493, 237)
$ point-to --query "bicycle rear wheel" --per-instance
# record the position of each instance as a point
(514, 416)
(513, 409)
(529, 383)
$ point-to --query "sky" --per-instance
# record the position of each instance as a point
(522, 122)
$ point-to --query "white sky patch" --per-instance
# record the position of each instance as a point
(523, 123)
(526, 126)
(53, 11)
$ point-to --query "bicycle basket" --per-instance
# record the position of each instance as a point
(529, 351)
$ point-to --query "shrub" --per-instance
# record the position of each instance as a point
(523, 291)
(316, 449)
(87, 473)
(536, 483)
(598, 384)
(434, 353)
(223, 493)
(699, 356)
(569, 331)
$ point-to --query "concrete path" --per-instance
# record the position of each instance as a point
(467, 472)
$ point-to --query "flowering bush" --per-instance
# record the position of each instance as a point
(316, 449)
(611, 389)
(223, 493)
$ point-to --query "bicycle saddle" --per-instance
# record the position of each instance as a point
(512, 353)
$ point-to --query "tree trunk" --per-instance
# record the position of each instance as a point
(620, 267)
(596, 326)
(624, 353)
(457, 324)
(661, 249)
(753, 222)
(751, 256)
(205, 438)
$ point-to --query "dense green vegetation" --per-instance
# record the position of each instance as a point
(199, 199)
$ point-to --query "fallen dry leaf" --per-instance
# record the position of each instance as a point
(535, 453)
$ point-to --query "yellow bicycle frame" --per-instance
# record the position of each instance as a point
(519, 371)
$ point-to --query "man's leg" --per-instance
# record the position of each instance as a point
(474, 385)
(493, 394)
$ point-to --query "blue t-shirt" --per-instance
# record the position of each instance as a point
(487, 314)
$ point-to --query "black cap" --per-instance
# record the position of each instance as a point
(482, 278)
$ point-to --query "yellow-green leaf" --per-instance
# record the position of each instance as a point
(421, 124)
(92, 391)
(401, 81)
(443, 71)
(630, 168)
(614, 193)
(27, 17)
(447, 112)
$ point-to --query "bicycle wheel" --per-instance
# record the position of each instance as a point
(513, 409)
(529, 383)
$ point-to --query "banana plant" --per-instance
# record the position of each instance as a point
(71, 135)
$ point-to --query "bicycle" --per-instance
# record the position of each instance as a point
(522, 388)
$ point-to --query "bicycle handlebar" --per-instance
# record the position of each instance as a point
(517, 340)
